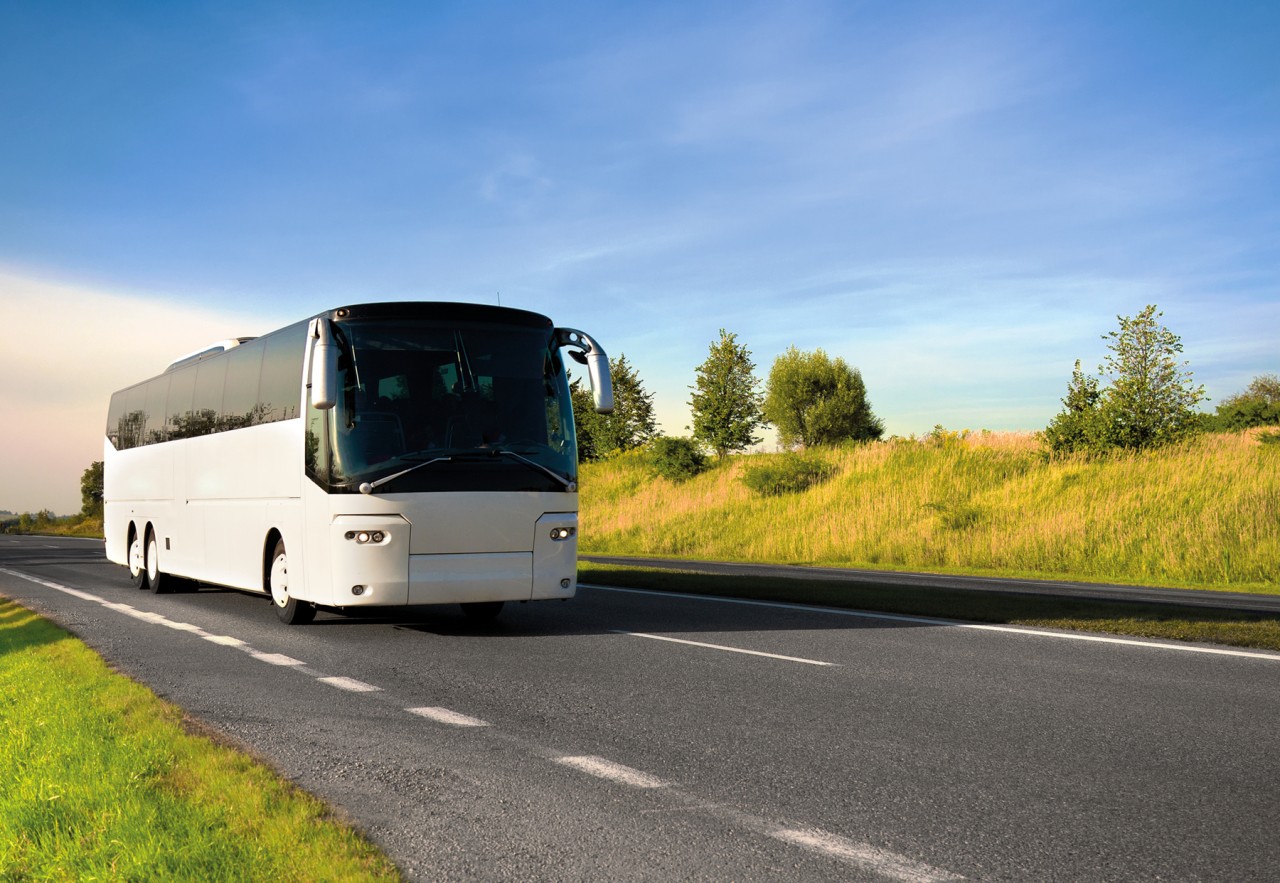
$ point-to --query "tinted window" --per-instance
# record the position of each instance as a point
(240, 399)
(157, 392)
(133, 423)
(114, 413)
(207, 407)
(182, 389)
(281, 387)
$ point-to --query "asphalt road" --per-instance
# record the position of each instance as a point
(634, 736)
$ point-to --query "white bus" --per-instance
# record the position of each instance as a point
(373, 455)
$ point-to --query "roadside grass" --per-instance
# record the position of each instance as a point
(1201, 514)
(1159, 621)
(102, 781)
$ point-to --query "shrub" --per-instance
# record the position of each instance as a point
(786, 474)
(676, 459)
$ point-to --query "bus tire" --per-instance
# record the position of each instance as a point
(137, 561)
(157, 580)
(290, 610)
(482, 611)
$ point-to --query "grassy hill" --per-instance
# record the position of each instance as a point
(1203, 514)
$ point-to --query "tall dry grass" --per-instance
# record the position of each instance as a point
(1203, 513)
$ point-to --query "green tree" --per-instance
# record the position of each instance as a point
(632, 423)
(1258, 405)
(1078, 426)
(813, 399)
(91, 490)
(727, 403)
(1151, 399)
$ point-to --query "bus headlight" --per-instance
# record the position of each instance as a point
(364, 537)
(562, 533)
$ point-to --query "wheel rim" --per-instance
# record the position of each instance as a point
(136, 561)
(153, 562)
(280, 580)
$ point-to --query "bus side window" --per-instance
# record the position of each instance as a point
(279, 392)
(114, 416)
(182, 390)
(133, 425)
(240, 406)
(207, 405)
(157, 392)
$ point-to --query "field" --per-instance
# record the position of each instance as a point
(1201, 514)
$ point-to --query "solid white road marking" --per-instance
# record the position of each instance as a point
(615, 772)
(880, 861)
(950, 623)
(722, 647)
(445, 716)
(349, 684)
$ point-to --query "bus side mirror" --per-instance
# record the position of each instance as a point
(591, 354)
(323, 379)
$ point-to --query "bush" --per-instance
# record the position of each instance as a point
(786, 474)
(676, 459)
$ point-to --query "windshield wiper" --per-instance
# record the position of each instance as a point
(368, 487)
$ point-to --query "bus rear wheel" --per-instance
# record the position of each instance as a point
(288, 608)
(157, 580)
(137, 561)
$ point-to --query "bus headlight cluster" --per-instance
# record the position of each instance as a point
(364, 537)
(562, 533)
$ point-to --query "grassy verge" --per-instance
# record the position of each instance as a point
(1135, 620)
(1202, 514)
(102, 781)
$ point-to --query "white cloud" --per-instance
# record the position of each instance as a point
(68, 348)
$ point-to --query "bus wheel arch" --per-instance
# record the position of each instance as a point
(291, 610)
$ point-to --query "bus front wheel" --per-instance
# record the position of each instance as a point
(288, 608)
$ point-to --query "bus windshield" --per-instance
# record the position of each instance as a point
(485, 399)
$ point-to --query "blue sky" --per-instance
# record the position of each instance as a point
(958, 199)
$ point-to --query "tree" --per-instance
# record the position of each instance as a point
(1258, 405)
(813, 399)
(727, 402)
(631, 424)
(91, 490)
(1078, 426)
(1149, 401)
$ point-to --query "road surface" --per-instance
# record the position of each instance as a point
(627, 735)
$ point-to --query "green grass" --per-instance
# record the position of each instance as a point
(1134, 620)
(103, 781)
(1202, 514)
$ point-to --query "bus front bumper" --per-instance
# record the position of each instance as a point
(384, 573)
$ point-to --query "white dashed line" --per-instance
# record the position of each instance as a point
(722, 647)
(445, 716)
(615, 772)
(273, 658)
(879, 861)
(226, 640)
(865, 856)
(349, 684)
